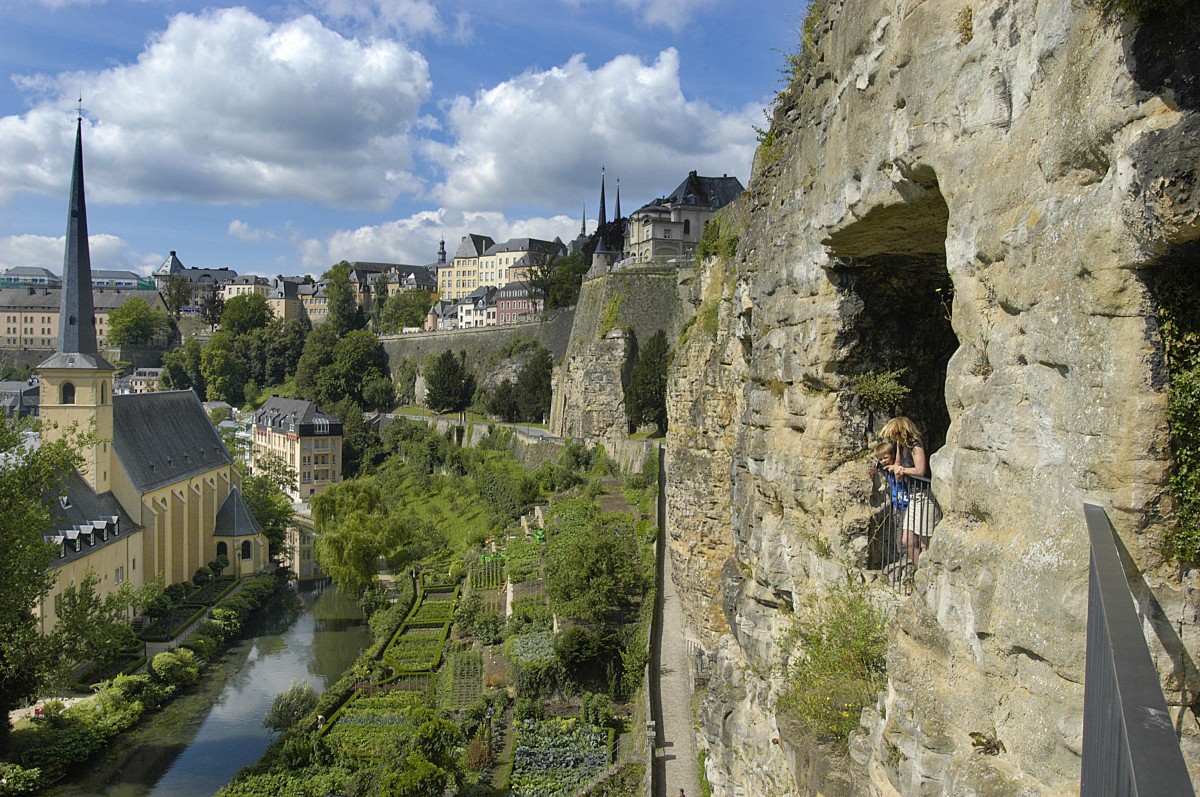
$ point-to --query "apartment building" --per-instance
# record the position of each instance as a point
(305, 437)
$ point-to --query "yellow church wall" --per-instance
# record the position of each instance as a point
(114, 562)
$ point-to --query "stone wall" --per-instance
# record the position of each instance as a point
(484, 344)
(1023, 176)
(615, 311)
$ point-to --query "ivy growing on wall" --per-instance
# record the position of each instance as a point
(1179, 325)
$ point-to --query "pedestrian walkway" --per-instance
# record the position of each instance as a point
(675, 758)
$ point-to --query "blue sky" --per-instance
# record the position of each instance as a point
(281, 137)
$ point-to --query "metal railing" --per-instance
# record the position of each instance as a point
(1129, 745)
(902, 531)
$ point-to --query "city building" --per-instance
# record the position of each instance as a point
(305, 437)
(668, 228)
(30, 277)
(156, 493)
(516, 302)
(244, 286)
(475, 309)
(497, 262)
(29, 316)
(203, 283)
(145, 380)
(19, 397)
(461, 276)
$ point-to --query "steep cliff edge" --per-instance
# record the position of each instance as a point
(982, 194)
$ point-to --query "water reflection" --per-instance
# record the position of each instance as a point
(193, 747)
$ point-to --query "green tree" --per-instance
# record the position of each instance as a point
(406, 309)
(211, 308)
(244, 313)
(449, 387)
(379, 299)
(290, 706)
(29, 476)
(344, 313)
(592, 568)
(284, 345)
(533, 387)
(223, 371)
(646, 395)
(361, 447)
(265, 497)
(182, 369)
(558, 280)
(318, 353)
(90, 627)
(136, 323)
(177, 294)
(357, 359)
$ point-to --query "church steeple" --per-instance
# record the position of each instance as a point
(583, 222)
(603, 219)
(76, 313)
(617, 215)
(76, 382)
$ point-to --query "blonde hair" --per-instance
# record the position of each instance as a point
(885, 447)
(901, 431)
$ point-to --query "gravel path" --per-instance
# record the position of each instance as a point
(675, 759)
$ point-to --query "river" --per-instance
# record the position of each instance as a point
(198, 743)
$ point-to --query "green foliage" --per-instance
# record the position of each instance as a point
(880, 391)
(1179, 324)
(344, 313)
(244, 313)
(90, 628)
(407, 309)
(290, 706)
(136, 323)
(839, 664)
(28, 477)
(558, 281)
(592, 565)
(181, 369)
(709, 315)
(357, 360)
(646, 394)
(612, 314)
(719, 239)
(177, 294)
(554, 757)
(176, 667)
(449, 386)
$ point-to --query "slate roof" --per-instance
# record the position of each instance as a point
(164, 437)
(711, 192)
(170, 266)
(49, 298)
(83, 507)
(234, 518)
(527, 245)
(279, 413)
(27, 273)
(473, 245)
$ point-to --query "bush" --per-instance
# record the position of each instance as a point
(840, 664)
(176, 667)
(202, 576)
(160, 607)
(594, 709)
(290, 706)
(178, 591)
(478, 756)
(218, 565)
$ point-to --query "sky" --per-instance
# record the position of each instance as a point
(281, 137)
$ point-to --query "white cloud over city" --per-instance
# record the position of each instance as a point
(227, 107)
(44, 251)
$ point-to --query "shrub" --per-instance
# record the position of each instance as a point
(840, 664)
(218, 565)
(202, 576)
(160, 607)
(176, 667)
(290, 706)
(880, 391)
(478, 755)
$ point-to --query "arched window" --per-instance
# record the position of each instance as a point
(68, 393)
(246, 549)
(103, 392)
(222, 550)
(687, 226)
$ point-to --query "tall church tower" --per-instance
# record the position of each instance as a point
(601, 220)
(76, 383)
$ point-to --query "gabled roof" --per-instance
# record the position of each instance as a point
(710, 192)
(473, 245)
(164, 437)
(234, 518)
(83, 507)
(527, 245)
(49, 298)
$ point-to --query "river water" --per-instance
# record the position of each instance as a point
(198, 743)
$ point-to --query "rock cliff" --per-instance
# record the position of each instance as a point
(982, 194)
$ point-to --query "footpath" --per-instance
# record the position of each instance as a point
(675, 757)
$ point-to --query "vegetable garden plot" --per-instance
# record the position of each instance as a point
(487, 575)
(373, 726)
(555, 757)
(466, 677)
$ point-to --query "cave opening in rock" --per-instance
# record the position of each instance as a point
(890, 266)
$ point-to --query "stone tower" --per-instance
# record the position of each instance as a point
(76, 383)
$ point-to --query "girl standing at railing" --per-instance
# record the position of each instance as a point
(918, 519)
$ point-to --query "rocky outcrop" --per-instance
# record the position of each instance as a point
(590, 397)
(982, 195)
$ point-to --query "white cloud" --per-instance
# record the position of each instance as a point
(43, 251)
(408, 18)
(414, 240)
(541, 138)
(225, 106)
(242, 231)
(671, 14)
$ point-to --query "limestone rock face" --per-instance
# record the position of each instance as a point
(985, 206)
(594, 377)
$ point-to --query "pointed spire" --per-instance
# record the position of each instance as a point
(76, 314)
(617, 215)
(583, 222)
(442, 252)
(603, 219)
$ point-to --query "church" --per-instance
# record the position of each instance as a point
(156, 493)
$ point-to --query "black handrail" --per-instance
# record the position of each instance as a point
(1129, 745)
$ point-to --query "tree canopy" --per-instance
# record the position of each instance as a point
(177, 293)
(136, 323)
(646, 394)
(406, 309)
(29, 480)
(592, 564)
(449, 386)
(344, 313)
(244, 313)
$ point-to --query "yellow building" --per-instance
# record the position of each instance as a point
(669, 228)
(461, 276)
(244, 286)
(156, 486)
(29, 316)
(498, 264)
(305, 437)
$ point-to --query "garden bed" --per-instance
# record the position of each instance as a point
(556, 757)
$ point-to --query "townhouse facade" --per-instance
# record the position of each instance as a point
(305, 437)
(29, 317)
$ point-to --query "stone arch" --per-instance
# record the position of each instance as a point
(67, 393)
(890, 265)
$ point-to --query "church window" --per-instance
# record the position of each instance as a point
(222, 549)
(68, 393)
(687, 226)
(103, 393)
(246, 549)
